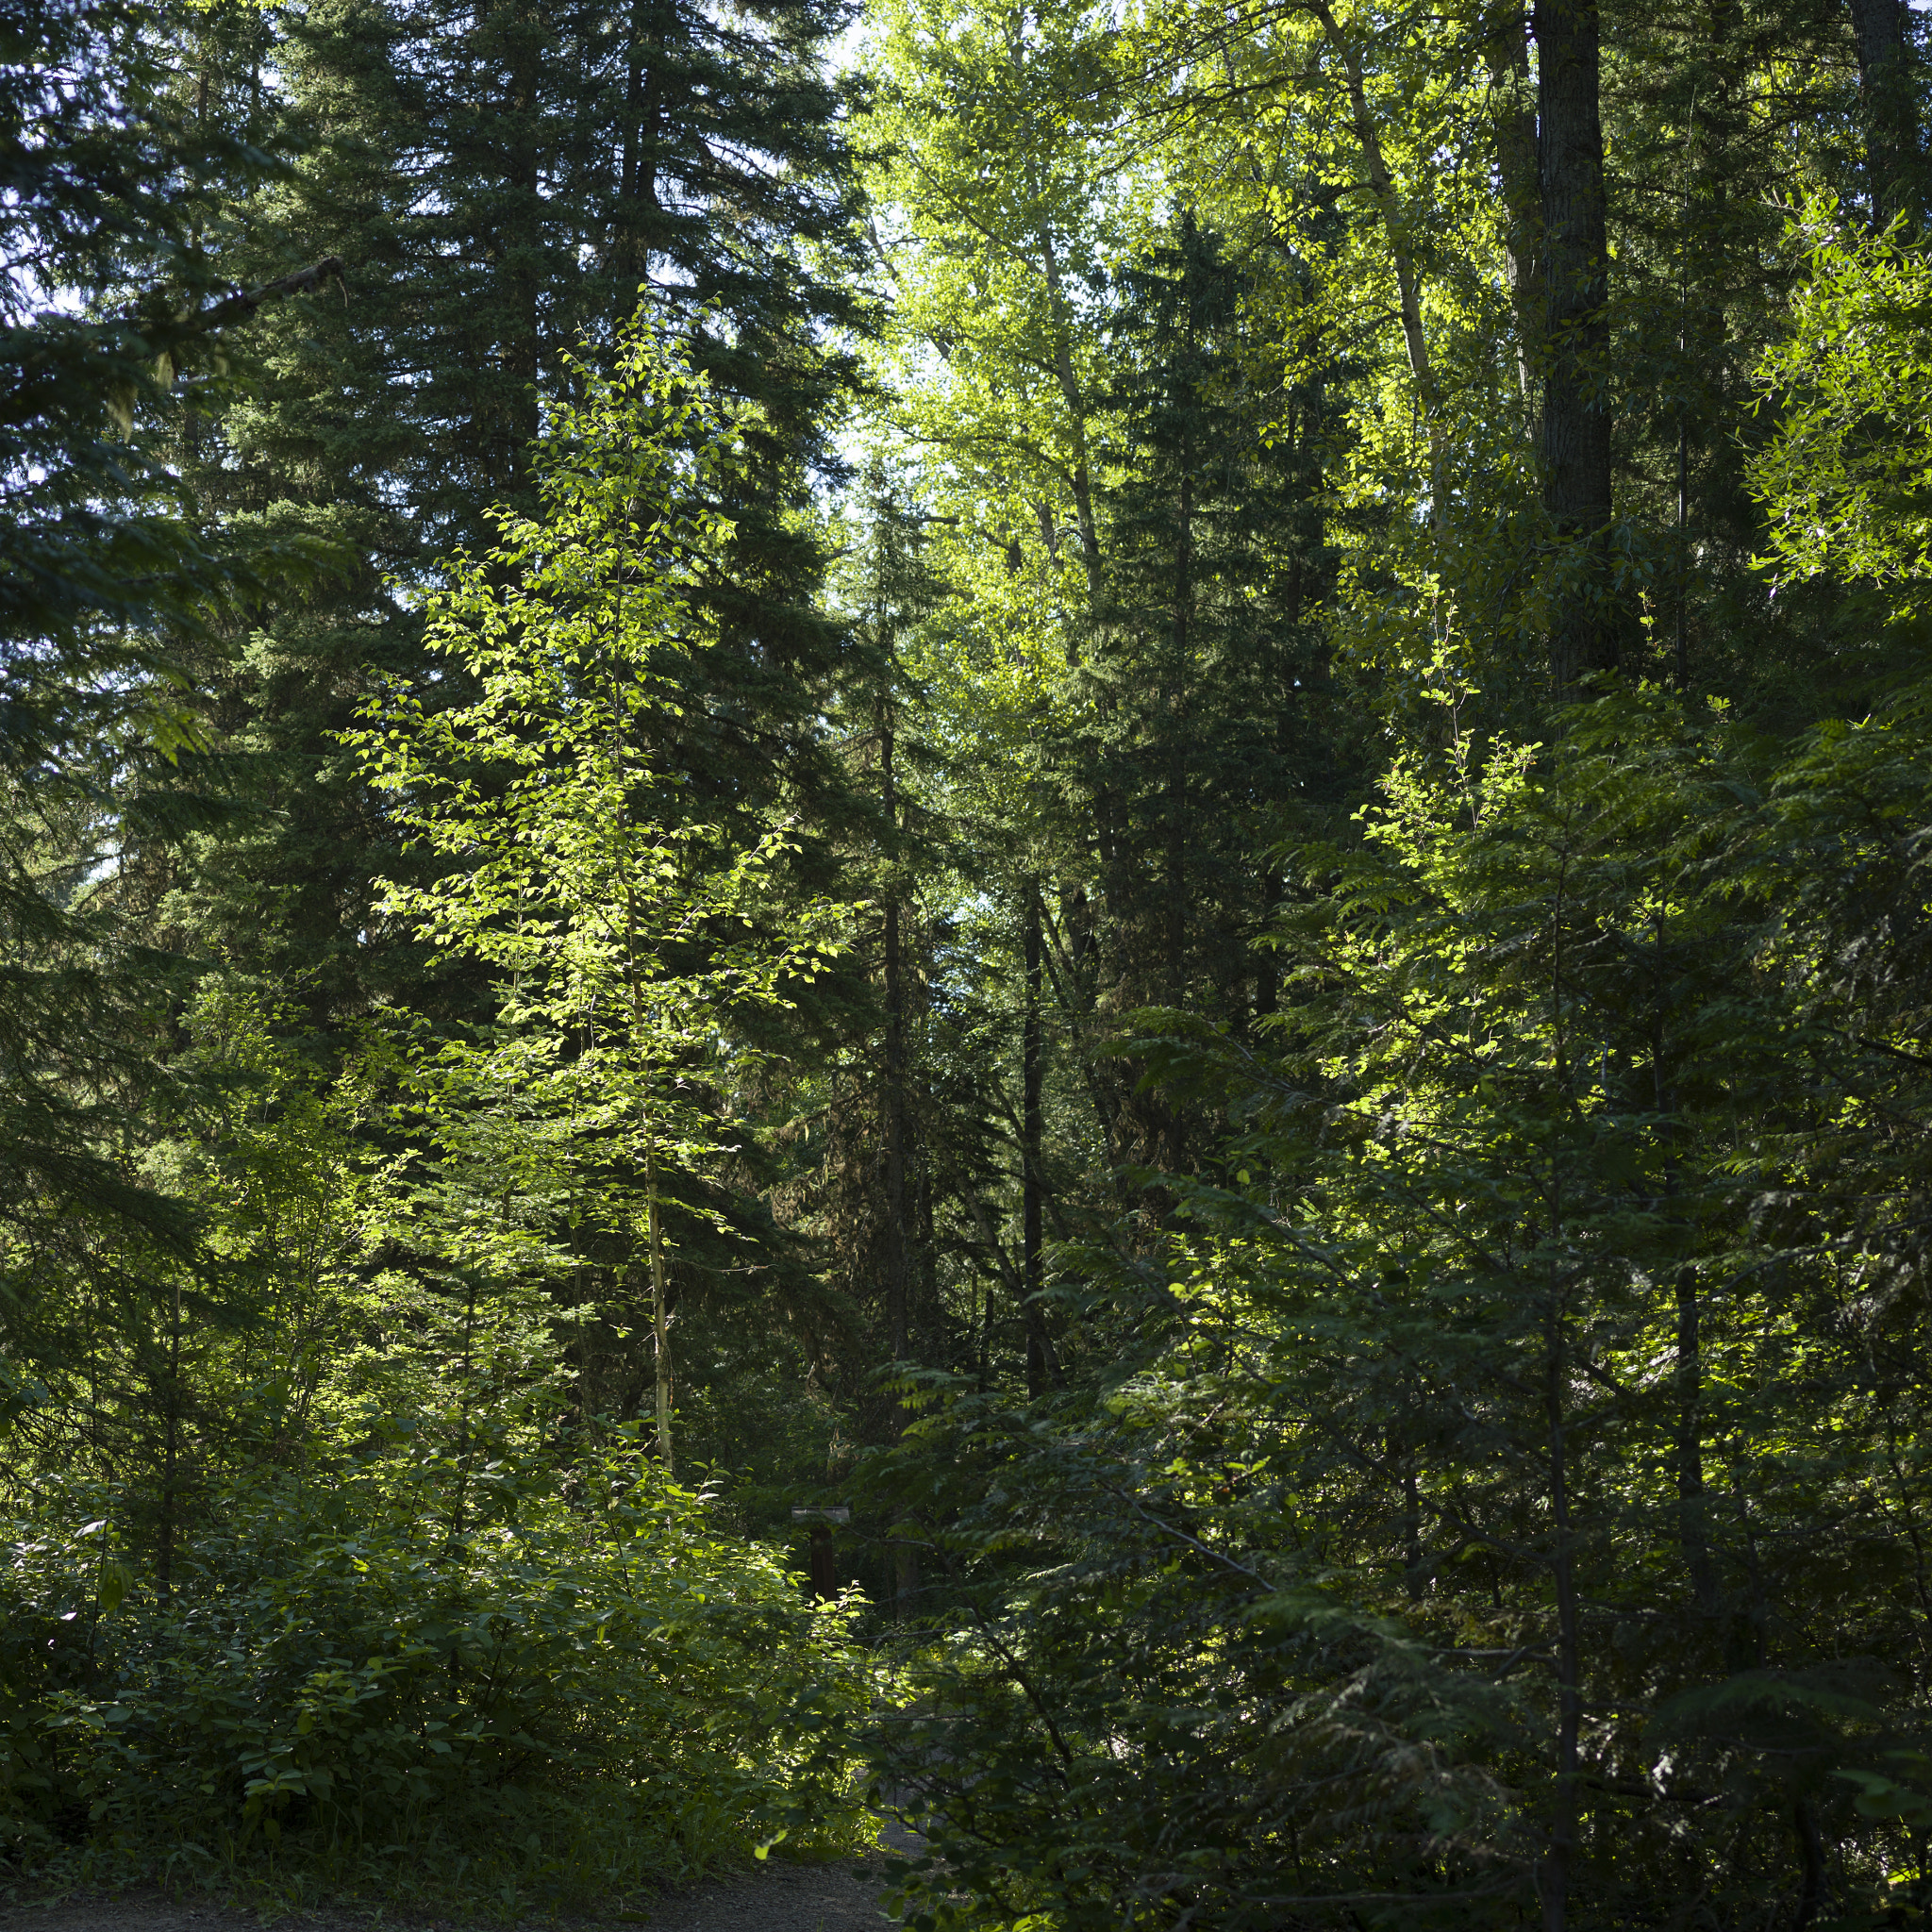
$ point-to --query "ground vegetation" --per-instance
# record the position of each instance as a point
(1122, 814)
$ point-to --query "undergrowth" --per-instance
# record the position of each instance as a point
(581, 1691)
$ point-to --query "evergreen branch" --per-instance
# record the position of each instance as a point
(239, 306)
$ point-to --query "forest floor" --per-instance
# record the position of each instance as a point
(772, 1897)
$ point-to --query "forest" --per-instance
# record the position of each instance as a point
(1013, 911)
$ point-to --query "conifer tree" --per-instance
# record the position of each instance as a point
(110, 583)
(1219, 571)
(498, 182)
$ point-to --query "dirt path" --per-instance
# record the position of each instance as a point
(781, 1899)
(774, 1897)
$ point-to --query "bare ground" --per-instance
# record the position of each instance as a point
(772, 1897)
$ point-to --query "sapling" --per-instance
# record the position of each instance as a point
(623, 928)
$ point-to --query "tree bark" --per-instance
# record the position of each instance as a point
(164, 1554)
(1414, 1570)
(1073, 989)
(661, 1309)
(1033, 1266)
(1889, 110)
(238, 308)
(1576, 401)
(895, 1256)
(1553, 1881)
(898, 1302)
(1506, 54)
(638, 201)
(1395, 230)
(518, 244)
(1267, 968)
(1177, 862)
(1077, 414)
(1811, 1863)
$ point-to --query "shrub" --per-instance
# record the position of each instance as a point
(571, 1691)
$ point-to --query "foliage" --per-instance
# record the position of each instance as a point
(1425, 1424)
(582, 1690)
(1467, 1517)
(106, 573)
(625, 934)
(556, 162)
(1845, 476)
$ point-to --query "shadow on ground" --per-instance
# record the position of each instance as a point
(772, 1897)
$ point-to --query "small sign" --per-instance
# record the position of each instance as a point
(837, 1512)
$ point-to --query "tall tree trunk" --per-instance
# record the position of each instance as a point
(898, 1272)
(459, 1514)
(1032, 1267)
(1888, 110)
(1072, 980)
(1177, 856)
(1117, 856)
(1268, 965)
(191, 416)
(1267, 968)
(660, 1307)
(898, 1302)
(1506, 54)
(171, 1454)
(1401, 253)
(1576, 401)
(1110, 824)
(1414, 1569)
(637, 168)
(1680, 652)
(1076, 415)
(1810, 1864)
(1560, 1854)
(519, 250)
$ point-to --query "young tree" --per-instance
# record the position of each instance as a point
(630, 939)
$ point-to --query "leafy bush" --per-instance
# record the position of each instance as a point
(572, 1692)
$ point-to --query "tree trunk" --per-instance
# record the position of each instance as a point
(1413, 1568)
(1267, 967)
(460, 1512)
(519, 249)
(1075, 401)
(1680, 654)
(660, 1310)
(1811, 1863)
(171, 1456)
(1401, 256)
(638, 169)
(897, 1272)
(1072, 980)
(1177, 856)
(1507, 56)
(1577, 400)
(926, 1275)
(1032, 1267)
(897, 1282)
(1557, 1858)
(1889, 110)
(1286, 719)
